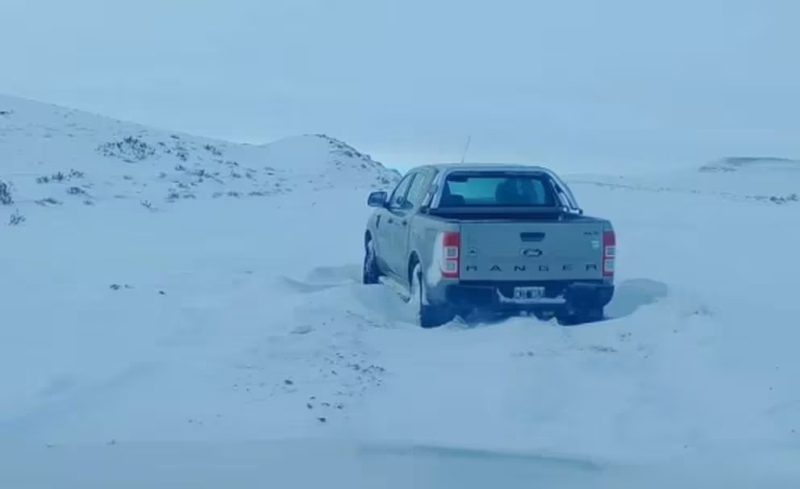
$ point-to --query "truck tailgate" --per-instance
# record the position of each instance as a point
(521, 251)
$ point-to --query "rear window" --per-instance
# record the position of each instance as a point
(497, 190)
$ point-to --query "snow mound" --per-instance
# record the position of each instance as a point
(53, 156)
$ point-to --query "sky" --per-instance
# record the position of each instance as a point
(575, 82)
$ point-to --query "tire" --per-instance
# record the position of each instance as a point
(371, 274)
(544, 315)
(426, 315)
(582, 316)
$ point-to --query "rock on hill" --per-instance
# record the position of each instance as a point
(54, 156)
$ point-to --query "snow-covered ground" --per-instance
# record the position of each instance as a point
(186, 303)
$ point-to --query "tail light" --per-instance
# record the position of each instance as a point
(609, 252)
(451, 254)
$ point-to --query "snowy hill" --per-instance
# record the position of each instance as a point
(52, 156)
(194, 291)
(751, 164)
(765, 180)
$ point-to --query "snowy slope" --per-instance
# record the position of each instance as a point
(53, 156)
(168, 301)
(767, 180)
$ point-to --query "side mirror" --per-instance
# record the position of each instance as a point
(377, 199)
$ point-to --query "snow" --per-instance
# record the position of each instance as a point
(304, 463)
(171, 314)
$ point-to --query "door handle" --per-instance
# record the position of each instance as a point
(391, 220)
(404, 222)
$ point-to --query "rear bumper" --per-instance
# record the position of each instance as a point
(498, 296)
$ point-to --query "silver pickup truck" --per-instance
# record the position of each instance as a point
(467, 239)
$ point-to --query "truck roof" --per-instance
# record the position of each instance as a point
(481, 166)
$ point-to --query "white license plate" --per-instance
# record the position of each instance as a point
(528, 292)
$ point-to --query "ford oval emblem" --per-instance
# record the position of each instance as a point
(531, 252)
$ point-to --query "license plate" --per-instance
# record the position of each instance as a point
(528, 292)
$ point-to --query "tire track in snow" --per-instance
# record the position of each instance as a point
(322, 362)
(35, 423)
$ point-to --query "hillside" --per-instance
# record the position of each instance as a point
(764, 180)
(52, 156)
(196, 293)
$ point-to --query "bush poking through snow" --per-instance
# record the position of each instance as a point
(48, 201)
(212, 149)
(5, 194)
(129, 149)
(16, 219)
(784, 199)
(60, 177)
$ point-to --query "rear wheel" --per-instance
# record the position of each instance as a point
(426, 315)
(581, 316)
(544, 315)
(370, 272)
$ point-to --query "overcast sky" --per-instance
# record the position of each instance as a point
(589, 81)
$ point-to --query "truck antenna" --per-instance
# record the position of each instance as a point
(466, 147)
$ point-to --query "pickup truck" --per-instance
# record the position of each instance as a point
(467, 239)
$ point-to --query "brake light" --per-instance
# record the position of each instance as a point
(451, 254)
(609, 252)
